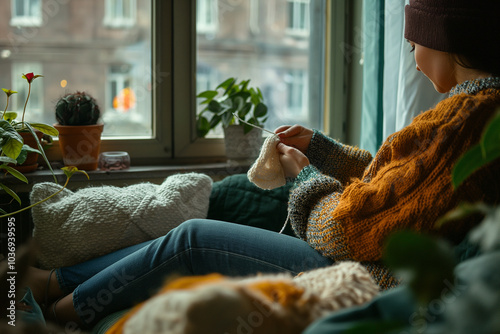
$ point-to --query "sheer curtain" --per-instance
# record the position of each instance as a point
(397, 92)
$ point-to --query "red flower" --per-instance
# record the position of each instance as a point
(30, 76)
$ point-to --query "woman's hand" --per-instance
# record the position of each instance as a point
(292, 160)
(295, 136)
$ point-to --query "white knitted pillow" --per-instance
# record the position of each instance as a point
(267, 172)
(73, 227)
(236, 305)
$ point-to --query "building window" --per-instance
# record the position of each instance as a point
(207, 12)
(26, 13)
(120, 13)
(297, 95)
(122, 115)
(298, 17)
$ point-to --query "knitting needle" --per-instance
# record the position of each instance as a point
(255, 126)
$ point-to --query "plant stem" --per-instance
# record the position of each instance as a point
(6, 106)
(26, 103)
(39, 202)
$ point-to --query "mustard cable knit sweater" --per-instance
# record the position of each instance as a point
(345, 204)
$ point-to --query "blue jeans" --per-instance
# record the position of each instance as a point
(123, 278)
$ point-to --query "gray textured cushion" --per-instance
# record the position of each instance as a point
(73, 227)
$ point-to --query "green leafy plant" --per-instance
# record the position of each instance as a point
(479, 155)
(77, 108)
(68, 171)
(231, 98)
(13, 151)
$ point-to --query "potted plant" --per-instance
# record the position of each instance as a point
(21, 139)
(79, 134)
(242, 112)
(20, 142)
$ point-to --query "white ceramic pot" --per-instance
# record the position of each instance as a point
(241, 147)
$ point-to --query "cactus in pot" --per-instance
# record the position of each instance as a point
(79, 132)
(77, 109)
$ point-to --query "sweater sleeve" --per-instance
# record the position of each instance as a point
(335, 159)
(313, 190)
(311, 194)
(320, 185)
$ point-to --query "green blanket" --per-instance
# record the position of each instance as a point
(237, 200)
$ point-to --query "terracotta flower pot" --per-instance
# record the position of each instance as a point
(31, 162)
(80, 145)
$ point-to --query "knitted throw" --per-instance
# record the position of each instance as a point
(345, 206)
(73, 227)
(267, 172)
(270, 303)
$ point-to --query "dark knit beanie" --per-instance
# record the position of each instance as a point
(454, 25)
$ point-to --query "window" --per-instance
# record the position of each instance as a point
(298, 17)
(114, 66)
(252, 42)
(206, 16)
(297, 95)
(120, 13)
(144, 61)
(26, 13)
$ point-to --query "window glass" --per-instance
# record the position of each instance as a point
(102, 47)
(268, 42)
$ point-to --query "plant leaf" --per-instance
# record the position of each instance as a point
(260, 110)
(11, 193)
(225, 105)
(14, 172)
(42, 152)
(28, 148)
(202, 126)
(214, 121)
(21, 158)
(70, 170)
(214, 107)
(8, 160)
(11, 140)
(45, 128)
(244, 111)
(479, 155)
(490, 141)
(227, 117)
(227, 84)
(424, 263)
(9, 116)
(208, 95)
(239, 103)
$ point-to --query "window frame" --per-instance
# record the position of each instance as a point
(174, 61)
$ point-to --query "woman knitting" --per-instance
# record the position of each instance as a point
(344, 202)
